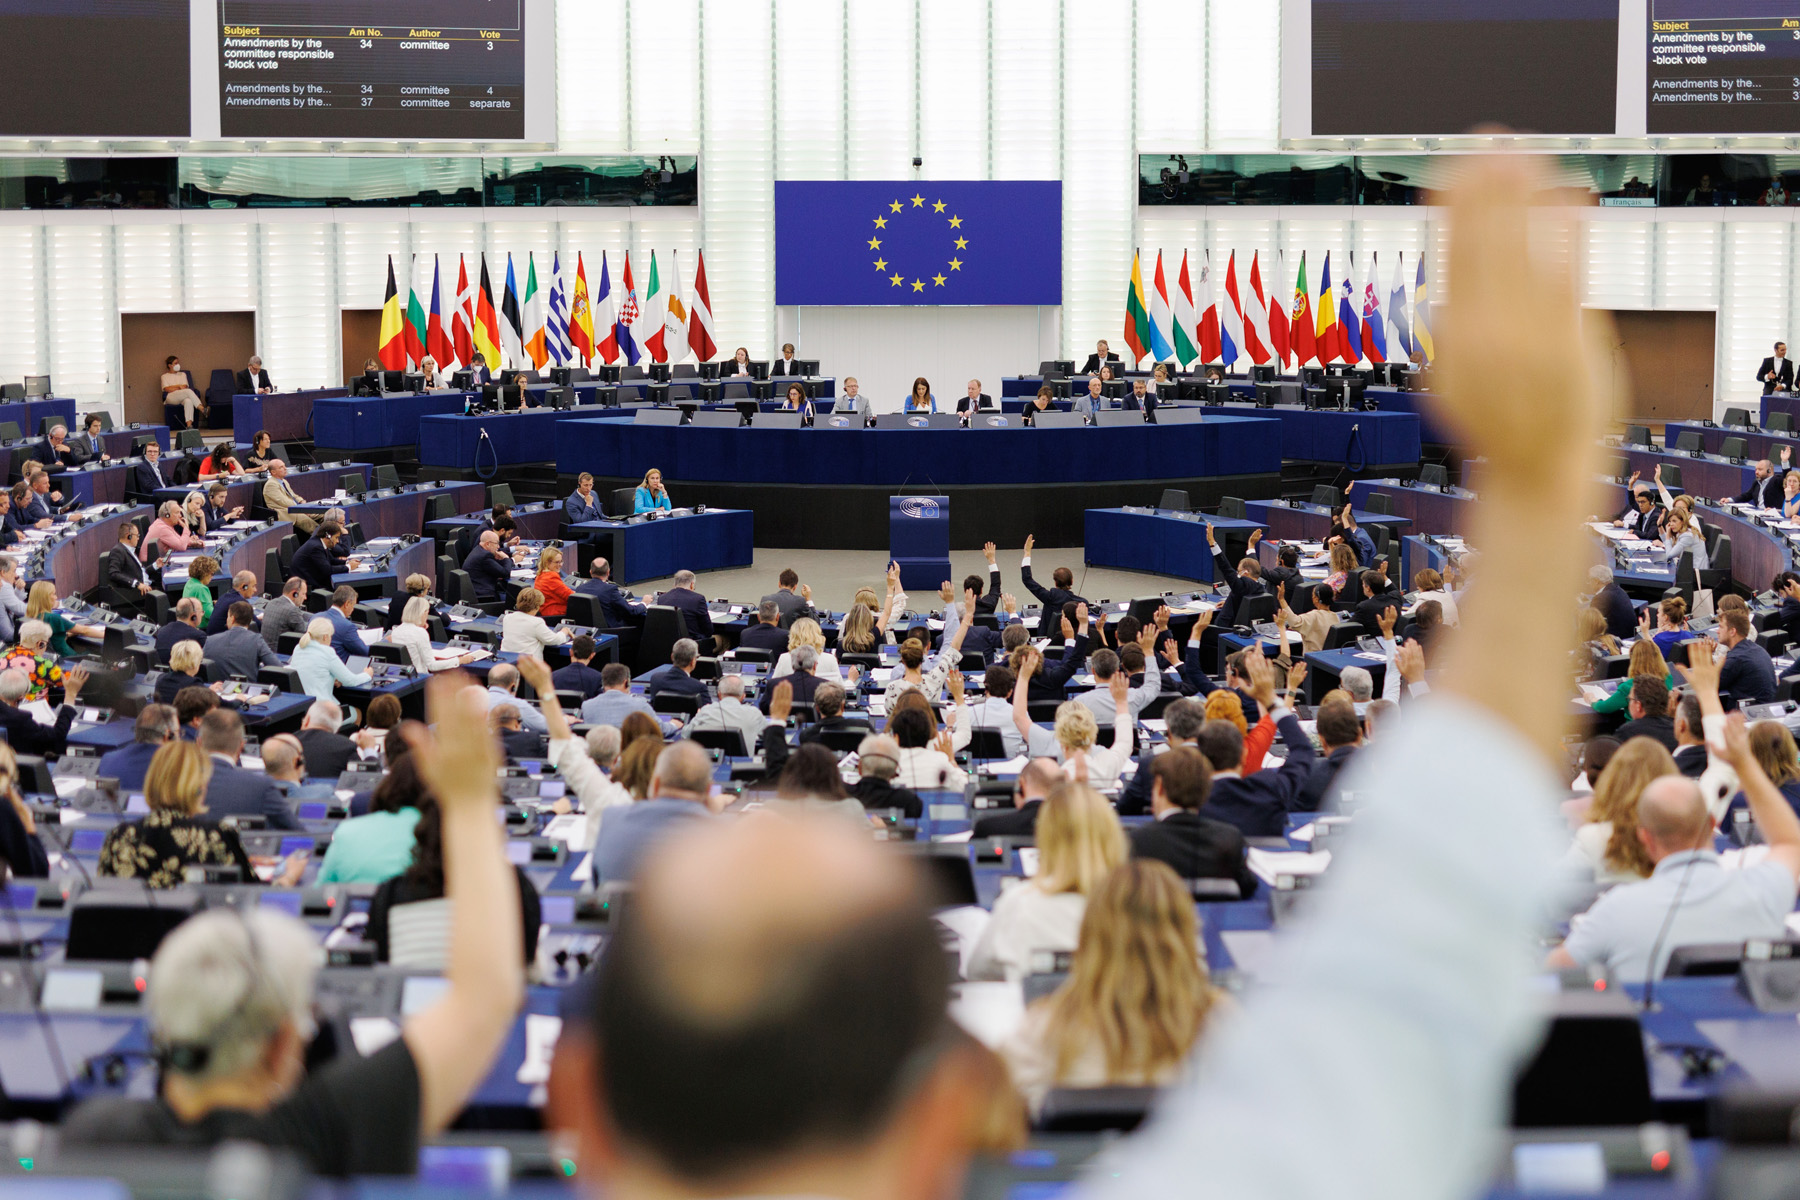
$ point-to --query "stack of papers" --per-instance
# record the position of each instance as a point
(1268, 864)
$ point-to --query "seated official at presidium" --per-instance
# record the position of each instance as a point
(651, 495)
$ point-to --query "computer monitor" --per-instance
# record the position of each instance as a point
(1263, 373)
(393, 381)
(759, 369)
(709, 370)
(807, 366)
(415, 381)
(37, 385)
(463, 380)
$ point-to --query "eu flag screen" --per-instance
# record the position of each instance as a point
(918, 243)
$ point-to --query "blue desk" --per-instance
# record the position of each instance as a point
(29, 414)
(1159, 543)
(118, 442)
(1360, 440)
(352, 423)
(95, 485)
(1429, 511)
(711, 541)
(402, 514)
(1711, 477)
(1421, 404)
(531, 436)
(287, 416)
(1311, 522)
(313, 483)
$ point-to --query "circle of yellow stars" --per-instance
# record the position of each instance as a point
(959, 242)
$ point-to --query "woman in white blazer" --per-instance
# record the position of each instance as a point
(522, 631)
(411, 633)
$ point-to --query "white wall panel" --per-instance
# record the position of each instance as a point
(886, 348)
(84, 332)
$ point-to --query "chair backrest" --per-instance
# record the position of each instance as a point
(1175, 499)
(1671, 475)
(584, 609)
(462, 588)
(623, 501)
(1721, 554)
(1434, 474)
(272, 571)
(986, 743)
(1344, 633)
(1256, 608)
(500, 493)
(387, 475)
(352, 482)
(718, 418)
(1093, 1110)
(1738, 417)
(439, 507)
(1378, 502)
(679, 392)
(12, 391)
(1327, 495)
(734, 391)
(37, 385)
(731, 741)
(1637, 435)
(1779, 422)
(664, 625)
(1232, 507)
(446, 563)
(1689, 440)
(668, 702)
(188, 439)
(1734, 447)
(843, 741)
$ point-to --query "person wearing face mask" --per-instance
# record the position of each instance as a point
(177, 390)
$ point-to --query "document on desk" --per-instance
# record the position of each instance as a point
(965, 924)
(1011, 766)
(1267, 864)
(541, 1034)
(370, 1034)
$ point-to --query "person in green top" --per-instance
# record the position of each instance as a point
(199, 584)
(379, 846)
(1646, 659)
(40, 605)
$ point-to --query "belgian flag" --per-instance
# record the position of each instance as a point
(392, 342)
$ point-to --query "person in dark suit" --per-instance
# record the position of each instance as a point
(580, 675)
(233, 791)
(1286, 571)
(828, 707)
(976, 401)
(239, 648)
(327, 751)
(155, 724)
(243, 588)
(125, 574)
(1766, 484)
(787, 364)
(147, 477)
(1029, 792)
(253, 380)
(1690, 737)
(23, 731)
(1241, 582)
(1748, 673)
(1649, 709)
(1645, 516)
(346, 635)
(489, 567)
(691, 603)
(1256, 804)
(1192, 844)
(792, 598)
(804, 685)
(183, 626)
(314, 560)
(1052, 598)
(1140, 398)
(1777, 371)
(1621, 615)
(677, 679)
(518, 742)
(57, 451)
(1101, 356)
(1340, 731)
(617, 609)
(1051, 682)
(583, 504)
(91, 440)
(766, 633)
(1377, 601)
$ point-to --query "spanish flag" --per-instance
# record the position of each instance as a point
(392, 341)
(581, 316)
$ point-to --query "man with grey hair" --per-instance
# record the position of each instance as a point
(253, 380)
(1359, 683)
(233, 791)
(828, 713)
(9, 588)
(729, 712)
(489, 567)
(690, 603)
(243, 587)
(230, 997)
(238, 647)
(584, 769)
(25, 733)
(328, 752)
(286, 613)
(677, 679)
(57, 451)
(503, 688)
(804, 684)
(277, 493)
(155, 724)
(183, 626)
(877, 762)
(285, 763)
(766, 633)
(681, 790)
(1612, 603)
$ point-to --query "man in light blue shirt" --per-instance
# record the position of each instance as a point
(681, 791)
(615, 701)
(503, 688)
(1090, 401)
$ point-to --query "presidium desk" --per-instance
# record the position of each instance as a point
(827, 488)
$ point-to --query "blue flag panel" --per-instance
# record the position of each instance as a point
(917, 243)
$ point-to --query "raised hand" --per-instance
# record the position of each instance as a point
(987, 552)
(1702, 669)
(1120, 687)
(1409, 660)
(1081, 616)
(1296, 676)
(1162, 617)
(457, 756)
(1387, 619)
(1255, 537)
(781, 702)
(1030, 540)
(1261, 676)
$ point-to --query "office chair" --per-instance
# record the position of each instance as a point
(189, 439)
(353, 483)
(1434, 474)
(664, 625)
(728, 741)
(439, 507)
(1231, 507)
(37, 385)
(1094, 1110)
(1380, 503)
(500, 493)
(388, 476)
(624, 500)
(1327, 495)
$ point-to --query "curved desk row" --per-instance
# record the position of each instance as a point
(314, 483)
(828, 488)
(1431, 512)
(343, 424)
(74, 559)
(403, 513)
(1161, 542)
(714, 540)
(456, 442)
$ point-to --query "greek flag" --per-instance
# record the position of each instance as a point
(557, 334)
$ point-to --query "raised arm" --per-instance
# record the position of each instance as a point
(454, 1041)
(1021, 706)
(536, 672)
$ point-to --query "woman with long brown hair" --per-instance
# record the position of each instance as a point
(1607, 844)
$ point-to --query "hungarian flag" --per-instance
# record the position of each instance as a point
(1137, 315)
(1300, 326)
(628, 315)
(1186, 351)
(437, 339)
(581, 315)
(535, 348)
(1256, 315)
(391, 342)
(416, 323)
(1208, 329)
(556, 332)
(606, 318)
(1281, 335)
(487, 323)
(654, 304)
(1325, 331)
(700, 327)
(462, 321)
(1231, 317)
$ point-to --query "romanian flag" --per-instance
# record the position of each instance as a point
(392, 341)
(437, 338)
(1137, 314)
(1325, 333)
(1301, 326)
(487, 322)
(416, 323)
(581, 315)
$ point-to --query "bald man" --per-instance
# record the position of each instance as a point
(681, 790)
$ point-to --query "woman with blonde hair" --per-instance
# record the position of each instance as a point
(32, 657)
(317, 664)
(1079, 840)
(185, 658)
(413, 634)
(1607, 844)
(159, 848)
(551, 584)
(193, 507)
(858, 634)
(522, 631)
(40, 605)
(1646, 659)
(199, 584)
(651, 495)
(1077, 730)
(806, 632)
(1775, 752)
(1681, 536)
(1597, 645)
(1137, 998)
(1342, 562)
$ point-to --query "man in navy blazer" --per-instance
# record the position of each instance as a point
(314, 561)
(1612, 602)
(1257, 804)
(183, 626)
(677, 679)
(243, 587)
(766, 633)
(1242, 582)
(489, 568)
(233, 791)
(579, 675)
(155, 725)
(584, 503)
(1052, 598)
(803, 685)
(691, 604)
(617, 609)
(346, 638)
(147, 476)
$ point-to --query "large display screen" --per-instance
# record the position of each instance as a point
(1415, 68)
(1724, 69)
(95, 69)
(372, 69)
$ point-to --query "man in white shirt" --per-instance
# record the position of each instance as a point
(855, 403)
(730, 712)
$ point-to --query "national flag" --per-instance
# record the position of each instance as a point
(437, 338)
(1374, 327)
(675, 313)
(556, 333)
(487, 322)
(1232, 342)
(462, 321)
(700, 326)
(581, 315)
(1207, 331)
(1187, 347)
(1281, 337)
(535, 349)
(1162, 334)
(1300, 324)
(1325, 330)
(1256, 315)
(391, 342)
(1137, 315)
(606, 317)
(654, 303)
(416, 322)
(628, 315)
(1349, 317)
(1399, 325)
(1421, 317)
(512, 321)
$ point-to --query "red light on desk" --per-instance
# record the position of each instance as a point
(1659, 1161)
(1599, 985)
(139, 982)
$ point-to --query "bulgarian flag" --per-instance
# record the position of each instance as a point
(391, 342)
(1300, 327)
(417, 323)
(1137, 314)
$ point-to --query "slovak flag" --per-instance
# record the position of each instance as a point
(1374, 329)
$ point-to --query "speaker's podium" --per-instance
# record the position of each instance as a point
(919, 540)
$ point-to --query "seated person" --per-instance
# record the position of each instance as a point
(489, 568)
(651, 495)
(920, 399)
(1190, 843)
(975, 401)
(177, 390)
(677, 679)
(155, 724)
(584, 504)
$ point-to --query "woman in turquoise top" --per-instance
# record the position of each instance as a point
(379, 846)
(40, 604)
(921, 400)
(318, 665)
(650, 493)
(199, 584)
